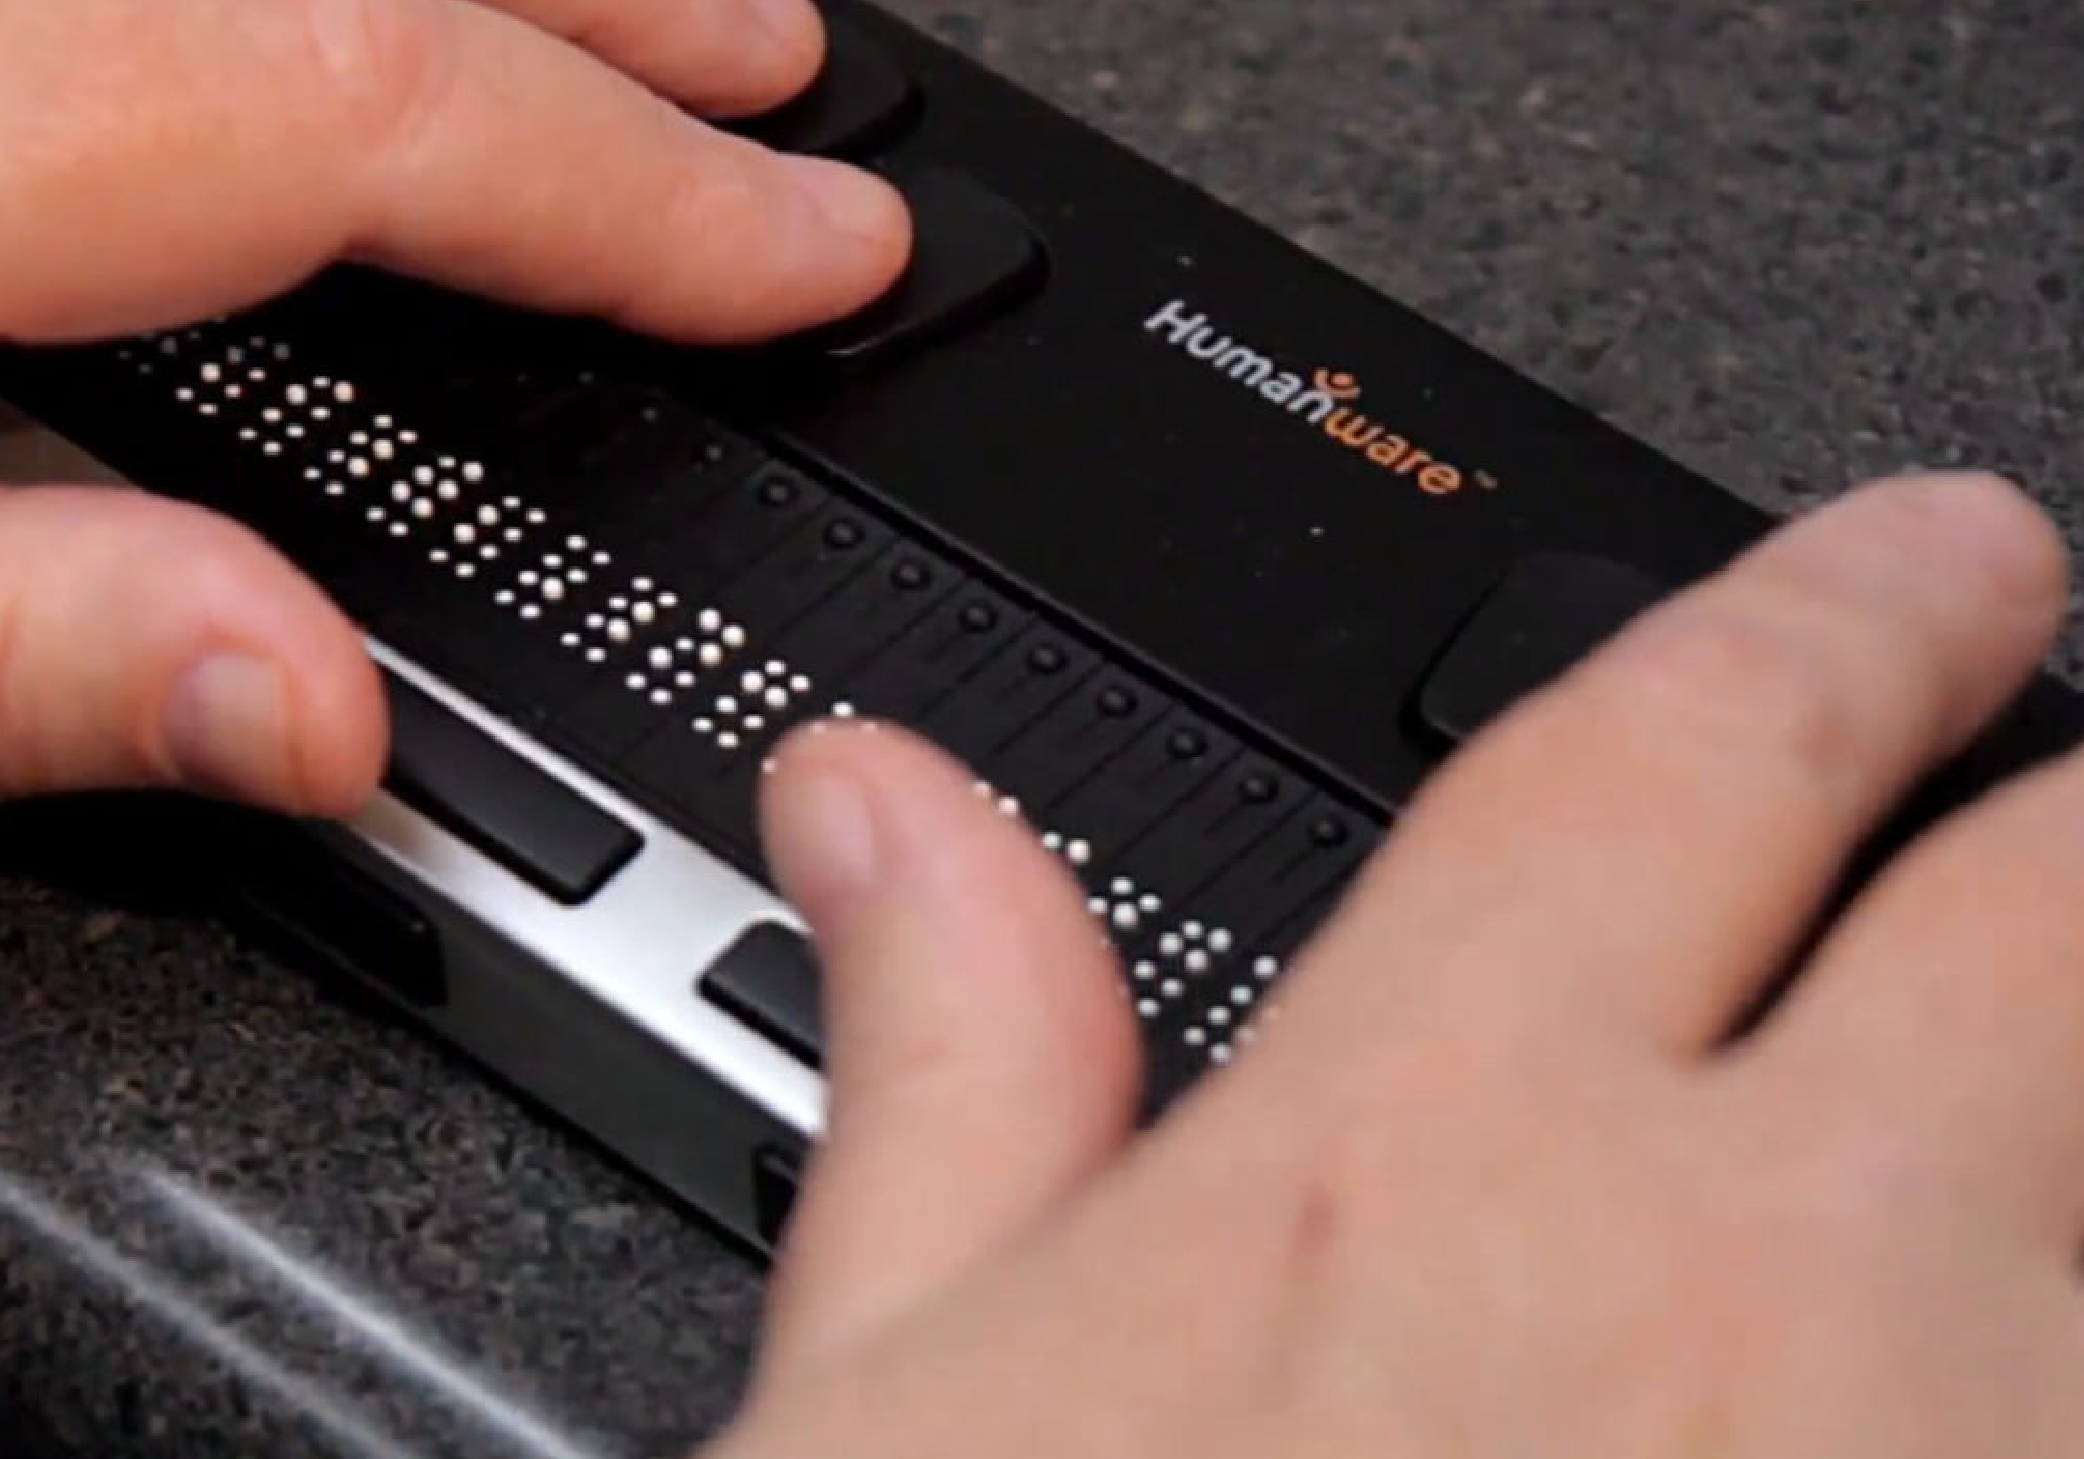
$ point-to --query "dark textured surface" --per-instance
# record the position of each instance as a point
(1790, 244)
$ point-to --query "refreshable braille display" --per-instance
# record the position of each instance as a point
(1201, 553)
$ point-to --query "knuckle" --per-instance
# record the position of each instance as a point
(1722, 679)
(378, 63)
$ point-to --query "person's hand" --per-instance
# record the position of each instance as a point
(161, 163)
(1511, 1174)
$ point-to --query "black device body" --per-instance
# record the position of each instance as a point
(1200, 550)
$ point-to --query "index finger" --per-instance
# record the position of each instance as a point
(167, 163)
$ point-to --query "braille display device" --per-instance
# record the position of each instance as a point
(1200, 553)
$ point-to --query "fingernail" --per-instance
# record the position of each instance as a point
(785, 22)
(832, 842)
(227, 725)
(849, 200)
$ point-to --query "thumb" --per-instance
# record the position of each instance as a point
(148, 644)
(982, 1061)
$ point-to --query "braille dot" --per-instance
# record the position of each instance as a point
(385, 450)
(1051, 841)
(752, 681)
(1079, 853)
(1257, 789)
(734, 637)
(618, 630)
(979, 618)
(272, 416)
(1147, 1008)
(669, 600)
(1170, 945)
(684, 679)
(319, 412)
(473, 472)
(727, 705)
(1193, 930)
(843, 710)
(1145, 970)
(1186, 744)
(1195, 1037)
(1008, 807)
(465, 570)
(777, 698)
(531, 611)
(909, 576)
(570, 640)
(1149, 902)
(1116, 702)
(704, 726)
(777, 491)
(1220, 1053)
(1266, 968)
(661, 658)
(1046, 658)
(754, 723)
(1241, 996)
(1172, 987)
(644, 613)
(709, 620)
(662, 697)
(344, 393)
(401, 491)
(1197, 961)
(727, 741)
(504, 597)
(1125, 917)
(711, 656)
(357, 467)
(1219, 940)
(843, 534)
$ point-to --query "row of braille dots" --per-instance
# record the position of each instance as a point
(418, 498)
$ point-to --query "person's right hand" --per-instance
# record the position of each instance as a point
(163, 162)
(1496, 1183)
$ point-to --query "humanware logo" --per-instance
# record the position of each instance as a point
(1327, 399)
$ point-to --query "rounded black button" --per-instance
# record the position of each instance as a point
(843, 534)
(1046, 658)
(777, 491)
(909, 576)
(1328, 832)
(1186, 744)
(979, 618)
(1117, 702)
(1257, 788)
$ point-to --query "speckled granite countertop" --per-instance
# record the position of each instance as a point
(1789, 243)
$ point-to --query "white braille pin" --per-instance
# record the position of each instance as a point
(727, 741)
(1170, 945)
(661, 658)
(618, 630)
(488, 516)
(1125, 918)
(401, 491)
(752, 682)
(800, 684)
(473, 472)
(1172, 987)
(1219, 940)
(644, 613)
(709, 620)
(754, 724)
(1149, 902)
(384, 450)
(725, 704)
(704, 726)
(734, 636)
(1265, 968)
(1079, 853)
(1197, 961)
(356, 466)
(669, 600)
(1195, 1037)
(711, 656)
(1147, 1008)
(777, 699)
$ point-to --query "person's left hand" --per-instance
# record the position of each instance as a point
(163, 163)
